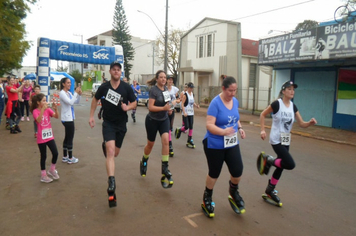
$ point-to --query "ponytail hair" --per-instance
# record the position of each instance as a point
(35, 99)
(63, 80)
(280, 95)
(154, 80)
(227, 81)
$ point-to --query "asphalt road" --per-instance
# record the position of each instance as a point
(318, 195)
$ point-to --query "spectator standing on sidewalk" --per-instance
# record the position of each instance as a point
(42, 115)
(13, 107)
(36, 90)
(24, 101)
(67, 100)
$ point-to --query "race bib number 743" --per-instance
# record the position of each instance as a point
(230, 141)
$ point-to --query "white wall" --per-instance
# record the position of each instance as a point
(144, 58)
(279, 77)
(220, 48)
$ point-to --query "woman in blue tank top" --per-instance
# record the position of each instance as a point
(221, 145)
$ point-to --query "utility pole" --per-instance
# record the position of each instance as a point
(81, 64)
(166, 40)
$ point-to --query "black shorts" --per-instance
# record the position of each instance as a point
(114, 132)
(152, 126)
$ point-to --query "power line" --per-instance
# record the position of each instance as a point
(260, 13)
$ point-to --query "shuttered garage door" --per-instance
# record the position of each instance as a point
(315, 94)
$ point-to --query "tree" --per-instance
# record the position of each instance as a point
(77, 76)
(13, 46)
(121, 36)
(173, 47)
(307, 24)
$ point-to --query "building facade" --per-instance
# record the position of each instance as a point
(322, 62)
(144, 63)
(213, 48)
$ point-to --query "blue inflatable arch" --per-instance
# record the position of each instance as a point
(48, 49)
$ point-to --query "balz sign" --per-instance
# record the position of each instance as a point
(322, 43)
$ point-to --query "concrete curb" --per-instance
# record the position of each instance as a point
(308, 135)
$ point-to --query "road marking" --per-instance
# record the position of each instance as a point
(188, 219)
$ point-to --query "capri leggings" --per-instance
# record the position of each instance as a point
(287, 161)
(68, 138)
(188, 122)
(152, 126)
(53, 147)
(216, 158)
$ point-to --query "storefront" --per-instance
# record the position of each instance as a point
(322, 61)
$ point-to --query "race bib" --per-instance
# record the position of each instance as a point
(285, 139)
(166, 96)
(230, 141)
(113, 97)
(47, 133)
(189, 110)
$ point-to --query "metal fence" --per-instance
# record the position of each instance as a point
(253, 99)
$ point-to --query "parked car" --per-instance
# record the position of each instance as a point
(143, 97)
(95, 88)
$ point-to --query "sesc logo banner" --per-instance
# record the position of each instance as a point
(43, 61)
(43, 80)
(44, 42)
(66, 51)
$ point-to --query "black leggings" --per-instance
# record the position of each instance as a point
(216, 158)
(23, 105)
(68, 138)
(287, 160)
(15, 115)
(152, 126)
(171, 120)
(43, 150)
(188, 122)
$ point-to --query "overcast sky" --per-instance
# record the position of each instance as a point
(61, 19)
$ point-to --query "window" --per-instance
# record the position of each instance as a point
(252, 77)
(210, 45)
(201, 46)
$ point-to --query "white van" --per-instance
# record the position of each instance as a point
(95, 88)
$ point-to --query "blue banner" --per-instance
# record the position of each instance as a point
(66, 51)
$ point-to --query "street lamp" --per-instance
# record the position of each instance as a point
(81, 36)
(281, 31)
(165, 36)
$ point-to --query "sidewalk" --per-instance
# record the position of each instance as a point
(316, 132)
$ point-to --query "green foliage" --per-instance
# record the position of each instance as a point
(13, 46)
(77, 76)
(121, 36)
(307, 24)
(173, 48)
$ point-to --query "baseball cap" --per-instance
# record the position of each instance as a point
(115, 63)
(190, 85)
(288, 84)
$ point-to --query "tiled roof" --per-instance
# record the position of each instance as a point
(249, 47)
